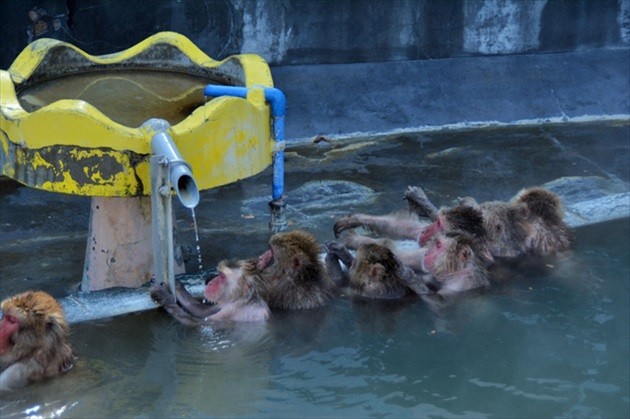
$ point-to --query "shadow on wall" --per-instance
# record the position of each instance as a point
(289, 32)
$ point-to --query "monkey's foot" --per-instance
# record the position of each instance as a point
(161, 294)
(419, 203)
(347, 223)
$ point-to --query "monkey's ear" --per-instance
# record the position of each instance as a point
(376, 271)
(296, 263)
(465, 254)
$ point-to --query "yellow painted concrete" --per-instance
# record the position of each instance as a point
(70, 146)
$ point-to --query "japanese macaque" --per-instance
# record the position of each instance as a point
(531, 223)
(34, 340)
(233, 296)
(375, 272)
(398, 226)
(453, 263)
(293, 277)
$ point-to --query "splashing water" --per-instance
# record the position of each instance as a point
(198, 248)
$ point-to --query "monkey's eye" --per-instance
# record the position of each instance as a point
(438, 244)
(439, 223)
(11, 319)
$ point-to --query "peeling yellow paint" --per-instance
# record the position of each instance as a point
(225, 140)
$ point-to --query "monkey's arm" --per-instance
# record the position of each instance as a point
(419, 203)
(16, 375)
(413, 280)
(162, 296)
(193, 306)
(334, 252)
(400, 225)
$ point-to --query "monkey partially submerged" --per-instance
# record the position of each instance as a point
(375, 272)
(531, 223)
(34, 340)
(292, 275)
(233, 295)
(449, 264)
(453, 263)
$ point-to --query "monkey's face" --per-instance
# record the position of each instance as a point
(224, 287)
(9, 326)
(427, 233)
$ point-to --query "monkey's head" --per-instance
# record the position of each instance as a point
(27, 317)
(235, 280)
(373, 262)
(448, 254)
(293, 250)
(460, 217)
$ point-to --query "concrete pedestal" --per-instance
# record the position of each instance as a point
(119, 248)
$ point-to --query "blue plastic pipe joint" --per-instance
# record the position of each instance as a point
(277, 102)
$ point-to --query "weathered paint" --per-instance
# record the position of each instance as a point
(70, 146)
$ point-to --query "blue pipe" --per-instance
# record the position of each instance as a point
(277, 101)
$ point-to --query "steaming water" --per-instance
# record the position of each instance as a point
(549, 342)
(545, 344)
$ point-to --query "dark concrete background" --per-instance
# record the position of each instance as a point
(289, 32)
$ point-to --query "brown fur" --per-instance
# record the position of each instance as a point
(41, 347)
(457, 266)
(296, 279)
(375, 272)
(235, 299)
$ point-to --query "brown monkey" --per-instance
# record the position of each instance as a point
(459, 218)
(452, 261)
(547, 232)
(34, 339)
(233, 295)
(293, 277)
(530, 223)
(375, 272)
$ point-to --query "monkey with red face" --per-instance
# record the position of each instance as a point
(531, 223)
(453, 264)
(34, 340)
(233, 296)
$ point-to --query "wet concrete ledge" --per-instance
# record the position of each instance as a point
(374, 99)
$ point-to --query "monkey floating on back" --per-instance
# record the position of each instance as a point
(34, 340)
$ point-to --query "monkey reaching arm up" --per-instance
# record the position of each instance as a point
(34, 340)
(234, 294)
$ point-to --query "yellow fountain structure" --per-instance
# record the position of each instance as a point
(92, 125)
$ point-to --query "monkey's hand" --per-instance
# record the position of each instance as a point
(347, 223)
(162, 295)
(419, 203)
(338, 251)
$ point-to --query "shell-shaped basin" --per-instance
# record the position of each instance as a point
(72, 122)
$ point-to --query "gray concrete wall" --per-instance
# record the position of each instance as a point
(289, 32)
